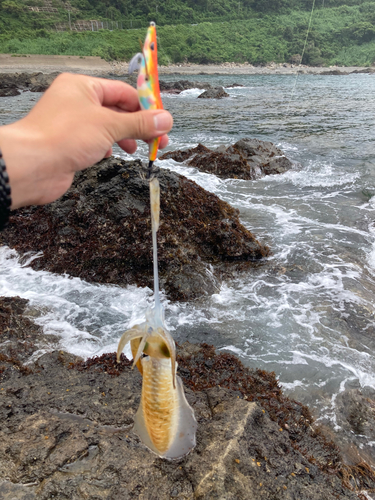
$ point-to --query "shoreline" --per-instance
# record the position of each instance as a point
(95, 66)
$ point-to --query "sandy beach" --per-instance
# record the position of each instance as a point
(96, 66)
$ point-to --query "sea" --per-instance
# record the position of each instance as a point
(308, 313)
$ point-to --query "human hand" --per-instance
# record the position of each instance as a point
(73, 126)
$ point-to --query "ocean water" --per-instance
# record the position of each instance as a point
(308, 314)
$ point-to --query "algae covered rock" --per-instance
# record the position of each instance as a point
(247, 159)
(100, 231)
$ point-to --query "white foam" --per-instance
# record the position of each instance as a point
(89, 318)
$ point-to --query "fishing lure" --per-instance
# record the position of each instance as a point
(148, 83)
(164, 421)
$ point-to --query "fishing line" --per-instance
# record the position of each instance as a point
(297, 74)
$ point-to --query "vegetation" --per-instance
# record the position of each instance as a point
(200, 31)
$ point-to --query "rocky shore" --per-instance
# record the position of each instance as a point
(67, 430)
(100, 231)
(13, 82)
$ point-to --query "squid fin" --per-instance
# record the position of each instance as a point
(133, 333)
(184, 440)
(135, 63)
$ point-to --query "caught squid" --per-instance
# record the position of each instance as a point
(164, 421)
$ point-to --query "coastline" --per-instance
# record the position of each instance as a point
(11, 63)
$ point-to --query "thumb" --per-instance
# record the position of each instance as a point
(143, 125)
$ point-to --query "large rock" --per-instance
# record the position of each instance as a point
(180, 85)
(246, 159)
(67, 434)
(9, 92)
(170, 87)
(100, 231)
(35, 82)
(214, 93)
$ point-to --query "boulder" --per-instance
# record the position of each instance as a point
(170, 87)
(180, 85)
(214, 93)
(246, 159)
(100, 231)
(9, 92)
(35, 82)
(67, 432)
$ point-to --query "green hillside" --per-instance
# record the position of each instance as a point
(200, 31)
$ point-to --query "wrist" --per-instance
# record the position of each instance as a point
(24, 155)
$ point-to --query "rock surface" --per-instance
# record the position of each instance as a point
(100, 231)
(180, 85)
(246, 159)
(214, 93)
(67, 433)
(9, 92)
(34, 82)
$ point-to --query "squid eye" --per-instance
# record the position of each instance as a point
(152, 46)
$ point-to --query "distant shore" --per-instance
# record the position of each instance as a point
(17, 63)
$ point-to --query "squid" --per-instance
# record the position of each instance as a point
(165, 422)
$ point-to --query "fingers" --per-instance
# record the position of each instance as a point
(128, 145)
(144, 125)
(116, 94)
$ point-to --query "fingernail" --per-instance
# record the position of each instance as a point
(163, 122)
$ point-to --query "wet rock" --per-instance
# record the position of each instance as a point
(180, 85)
(100, 231)
(67, 433)
(19, 335)
(214, 93)
(356, 418)
(35, 82)
(9, 92)
(170, 87)
(246, 159)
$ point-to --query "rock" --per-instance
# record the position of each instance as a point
(355, 413)
(170, 87)
(36, 82)
(333, 72)
(214, 93)
(67, 433)
(10, 92)
(234, 85)
(369, 71)
(100, 231)
(20, 336)
(246, 159)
